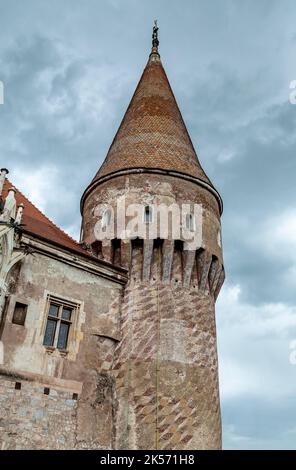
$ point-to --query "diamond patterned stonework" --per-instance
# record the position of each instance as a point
(165, 366)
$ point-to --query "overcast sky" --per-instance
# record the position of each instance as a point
(69, 69)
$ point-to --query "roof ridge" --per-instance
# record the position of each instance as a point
(42, 213)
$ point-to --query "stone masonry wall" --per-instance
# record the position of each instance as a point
(29, 419)
(42, 416)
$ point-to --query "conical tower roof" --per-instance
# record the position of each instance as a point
(152, 134)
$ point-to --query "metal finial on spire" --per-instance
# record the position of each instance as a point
(155, 41)
(154, 56)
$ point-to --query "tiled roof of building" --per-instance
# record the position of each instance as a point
(152, 134)
(36, 223)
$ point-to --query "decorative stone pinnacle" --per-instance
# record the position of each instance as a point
(19, 214)
(3, 173)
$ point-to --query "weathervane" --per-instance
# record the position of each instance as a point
(155, 41)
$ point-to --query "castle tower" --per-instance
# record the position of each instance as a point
(165, 365)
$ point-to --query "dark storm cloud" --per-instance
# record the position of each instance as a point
(69, 69)
(57, 107)
(262, 181)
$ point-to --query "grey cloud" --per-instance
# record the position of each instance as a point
(259, 423)
(43, 121)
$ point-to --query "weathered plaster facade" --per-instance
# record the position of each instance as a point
(78, 410)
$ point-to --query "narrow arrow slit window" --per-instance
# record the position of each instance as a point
(190, 222)
(148, 214)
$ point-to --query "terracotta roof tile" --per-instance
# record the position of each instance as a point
(152, 133)
(36, 223)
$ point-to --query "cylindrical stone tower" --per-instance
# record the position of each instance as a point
(165, 365)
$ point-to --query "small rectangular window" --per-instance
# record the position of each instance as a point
(19, 314)
(59, 321)
(190, 222)
(148, 214)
